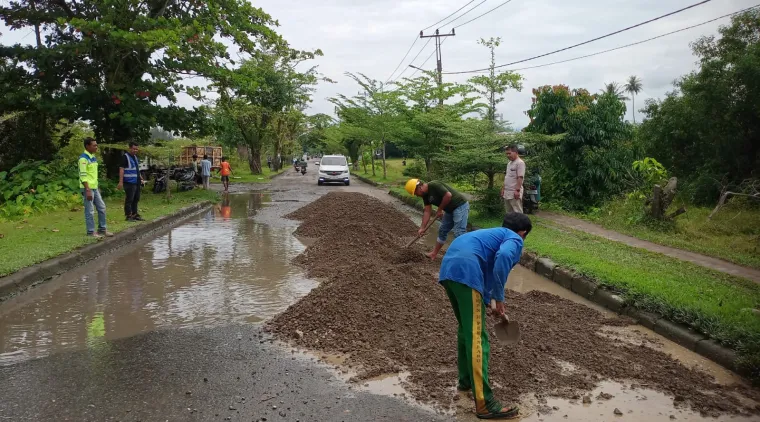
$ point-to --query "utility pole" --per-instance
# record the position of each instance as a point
(439, 58)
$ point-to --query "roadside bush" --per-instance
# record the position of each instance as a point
(34, 186)
(416, 169)
(489, 202)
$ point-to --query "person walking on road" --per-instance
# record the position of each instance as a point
(512, 190)
(206, 172)
(453, 209)
(131, 181)
(197, 170)
(88, 183)
(226, 171)
(474, 271)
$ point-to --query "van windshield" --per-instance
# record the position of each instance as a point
(333, 161)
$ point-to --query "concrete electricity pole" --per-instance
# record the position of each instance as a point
(438, 56)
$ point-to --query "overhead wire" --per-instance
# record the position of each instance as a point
(417, 69)
(415, 58)
(452, 14)
(584, 42)
(462, 15)
(480, 16)
(416, 38)
(638, 42)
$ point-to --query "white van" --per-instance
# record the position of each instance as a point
(333, 169)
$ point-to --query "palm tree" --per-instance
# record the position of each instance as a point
(615, 89)
(633, 87)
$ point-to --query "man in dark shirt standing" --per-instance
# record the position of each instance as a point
(131, 181)
(453, 209)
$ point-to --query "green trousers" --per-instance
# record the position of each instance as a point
(473, 348)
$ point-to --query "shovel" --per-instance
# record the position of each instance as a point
(507, 331)
(430, 224)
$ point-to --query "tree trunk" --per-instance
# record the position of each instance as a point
(385, 173)
(428, 166)
(633, 107)
(490, 179)
(656, 210)
(372, 158)
(254, 160)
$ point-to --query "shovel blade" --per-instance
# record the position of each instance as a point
(508, 332)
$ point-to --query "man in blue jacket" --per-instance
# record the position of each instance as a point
(474, 271)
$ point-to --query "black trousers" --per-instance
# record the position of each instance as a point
(133, 197)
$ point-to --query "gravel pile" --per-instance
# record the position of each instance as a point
(382, 305)
(336, 209)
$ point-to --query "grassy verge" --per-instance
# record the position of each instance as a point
(711, 302)
(44, 236)
(241, 173)
(394, 172)
(733, 234)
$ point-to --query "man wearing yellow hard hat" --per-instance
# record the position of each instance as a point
(453, 209)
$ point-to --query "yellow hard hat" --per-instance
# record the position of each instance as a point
(411, 185)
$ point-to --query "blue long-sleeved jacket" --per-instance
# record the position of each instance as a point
(482, 260)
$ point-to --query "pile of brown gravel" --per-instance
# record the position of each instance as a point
(382, 305)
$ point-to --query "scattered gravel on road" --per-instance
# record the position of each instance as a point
(381, 305)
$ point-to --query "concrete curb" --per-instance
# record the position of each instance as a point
(26, 278)
(599, 294)
(365, 180)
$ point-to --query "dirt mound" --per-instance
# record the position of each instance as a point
(333, 211)
(382, 304)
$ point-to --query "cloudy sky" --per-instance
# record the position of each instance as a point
(371, 37)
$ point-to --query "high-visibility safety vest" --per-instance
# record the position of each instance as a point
(88, 170)
(130, 173)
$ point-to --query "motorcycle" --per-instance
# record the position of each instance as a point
(532, 195)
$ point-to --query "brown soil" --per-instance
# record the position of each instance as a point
(382, 304)
(331, 212)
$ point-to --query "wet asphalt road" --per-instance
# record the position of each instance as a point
(229, 371)
(161, 376)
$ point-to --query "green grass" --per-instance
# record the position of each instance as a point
(32, 240)
(394, 169)
(733, 234)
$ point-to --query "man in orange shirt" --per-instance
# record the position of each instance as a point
(226, 172)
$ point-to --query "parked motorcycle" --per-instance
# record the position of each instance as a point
(532, 194)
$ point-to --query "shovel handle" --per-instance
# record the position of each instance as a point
(430, 224)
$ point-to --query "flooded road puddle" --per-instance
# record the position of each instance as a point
(224, 266)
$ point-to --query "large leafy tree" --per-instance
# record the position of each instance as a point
(494, 85)
(265, 89)
(708, 128)
(551, 107)
(120, 64)
(433, 125)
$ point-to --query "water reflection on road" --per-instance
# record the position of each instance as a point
(221, 267)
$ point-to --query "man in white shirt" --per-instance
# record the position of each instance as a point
(512, 191)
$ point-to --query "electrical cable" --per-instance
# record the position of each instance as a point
(417, 69)
(462, 15)
(402, 60)
(458, 26)
(584, 42)
(415, 58)
(457, 11)
(638, 42)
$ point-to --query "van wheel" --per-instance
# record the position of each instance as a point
(348, 183)
(319, 183)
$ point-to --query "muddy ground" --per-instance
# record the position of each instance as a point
(382, 305)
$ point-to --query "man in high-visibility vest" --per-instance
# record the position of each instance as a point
(131, 181)
(88, 183)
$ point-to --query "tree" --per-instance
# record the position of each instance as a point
(614, 88)
(381, 116)
(258, 93)
(707, 128)
(633, 87)
(120, 65)
(432, 125)
(493, 86)
(551, 107)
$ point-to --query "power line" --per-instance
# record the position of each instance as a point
(462, 15)
(585, 42)
(417, 69)
(638, 42)
(415, 58)
(402, 60)
(482, 14)
(455, 12)
(416, 38)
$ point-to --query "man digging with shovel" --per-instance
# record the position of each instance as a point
(474, 272)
